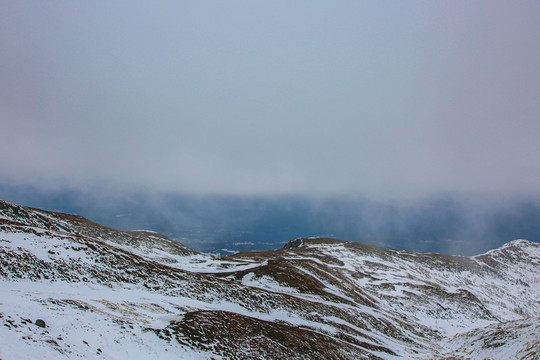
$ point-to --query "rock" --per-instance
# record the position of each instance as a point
(40, 323)
(293, 243)
(275, 260)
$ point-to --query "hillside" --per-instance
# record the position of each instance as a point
(105, 293)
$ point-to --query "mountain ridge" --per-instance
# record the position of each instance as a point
(153, 298)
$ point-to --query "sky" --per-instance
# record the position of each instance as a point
(373, 98)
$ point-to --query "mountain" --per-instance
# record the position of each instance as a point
(71, 288)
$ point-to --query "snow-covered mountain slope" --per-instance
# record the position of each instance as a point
(144, 242)
(519, 339)
(105, 293)
(448, 293)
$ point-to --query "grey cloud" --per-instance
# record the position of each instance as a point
(234, 98)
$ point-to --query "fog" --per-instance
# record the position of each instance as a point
(409, 125)
(448, 224)
(375, 99)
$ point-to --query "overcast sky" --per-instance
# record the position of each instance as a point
(380, 98)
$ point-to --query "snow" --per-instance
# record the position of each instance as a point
(201, 263)
(469, 302)
(147, 231)
(510, 340)
(107, 325)
(267, 283)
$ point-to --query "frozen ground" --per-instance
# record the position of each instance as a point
(107, 294)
